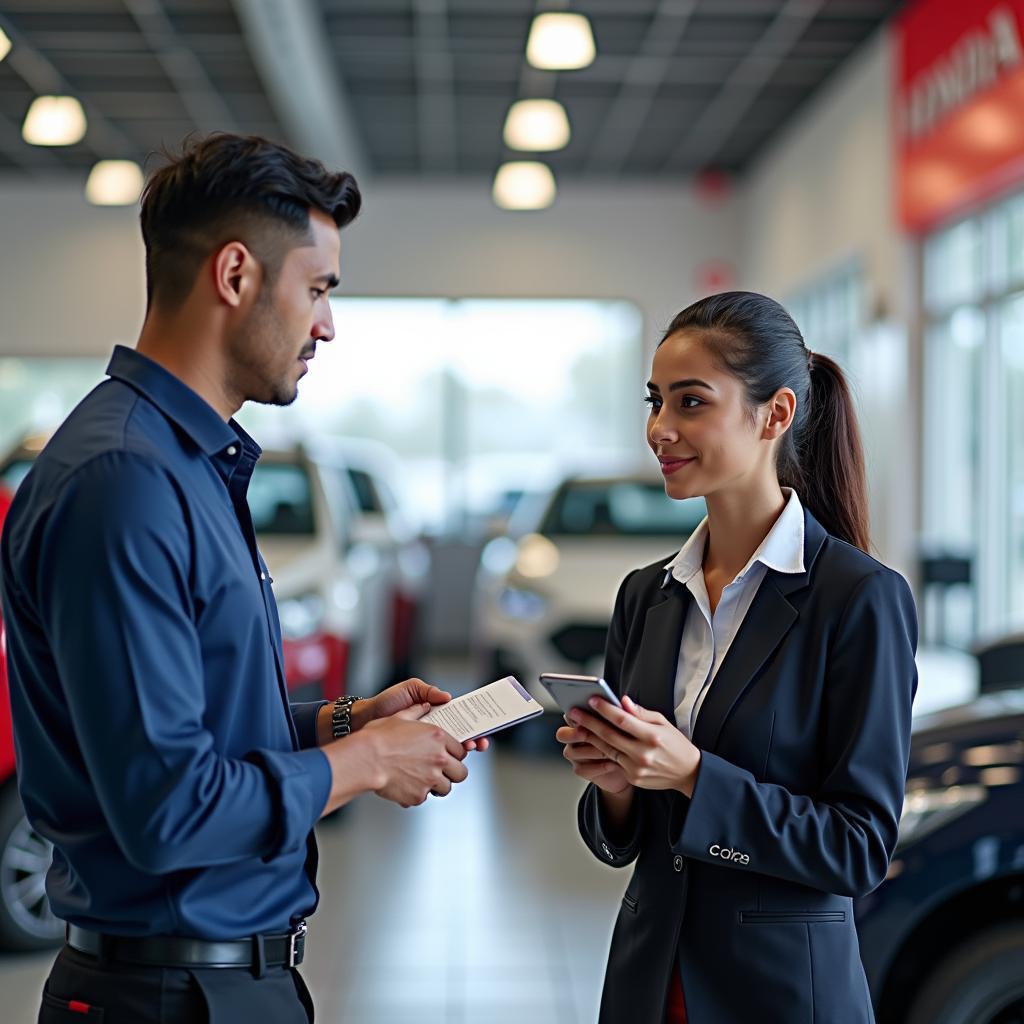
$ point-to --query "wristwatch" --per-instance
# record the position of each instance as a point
(341, 717)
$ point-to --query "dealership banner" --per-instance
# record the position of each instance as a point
(959, 105)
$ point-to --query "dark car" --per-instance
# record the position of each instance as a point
(943, 937)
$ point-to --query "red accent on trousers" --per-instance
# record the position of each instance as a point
(675, 1012)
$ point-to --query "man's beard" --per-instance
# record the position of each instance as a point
(255, 349)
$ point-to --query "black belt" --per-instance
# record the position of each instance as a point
(258, 952)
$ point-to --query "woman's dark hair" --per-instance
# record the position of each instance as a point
(224, 188)
(821, 456)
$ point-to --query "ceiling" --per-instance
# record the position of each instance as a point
(421, 87)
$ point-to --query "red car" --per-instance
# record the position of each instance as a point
(25, 918)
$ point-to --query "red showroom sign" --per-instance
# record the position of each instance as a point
(959, 105)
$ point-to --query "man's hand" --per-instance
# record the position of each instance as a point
(401, 697)
(651, 752)
(416, 759)
(399, 758)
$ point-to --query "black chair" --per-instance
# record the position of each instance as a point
(1001, 663)
(941, 571)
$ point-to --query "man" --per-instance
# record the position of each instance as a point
(156, 746)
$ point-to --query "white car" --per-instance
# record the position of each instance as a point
(382, 525)
(303, 524)
(544, 600)
(345, 566)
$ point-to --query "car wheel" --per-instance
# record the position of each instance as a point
(26, 921)
(981, 982)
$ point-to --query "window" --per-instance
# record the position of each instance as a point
(281, 500)
(36, 394)
(830, 313)
(974, 409)
(476, 397)
(366, 494)
(629, 508)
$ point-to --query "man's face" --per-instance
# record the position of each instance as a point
(271, 348)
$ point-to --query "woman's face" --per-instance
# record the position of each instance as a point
(700, 426)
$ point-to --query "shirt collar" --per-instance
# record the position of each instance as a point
(782, 550)
(178, 402)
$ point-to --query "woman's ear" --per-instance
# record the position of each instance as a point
(780, 412)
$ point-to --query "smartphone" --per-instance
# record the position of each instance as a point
(574, 691)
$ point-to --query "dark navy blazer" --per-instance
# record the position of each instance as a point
(804, 739)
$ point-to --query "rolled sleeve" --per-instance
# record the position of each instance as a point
(305, 716)
(301, 783)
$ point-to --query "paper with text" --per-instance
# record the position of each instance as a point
(491, 708)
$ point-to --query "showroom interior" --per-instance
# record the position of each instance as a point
(464, 478)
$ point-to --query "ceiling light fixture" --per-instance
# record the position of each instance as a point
(114, 183)
(5, 44)
(537, 126)
(524, 185)
(560, 42)
(54, 121)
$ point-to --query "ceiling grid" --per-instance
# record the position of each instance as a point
(423, 86)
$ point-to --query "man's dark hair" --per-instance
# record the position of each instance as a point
(224, 188)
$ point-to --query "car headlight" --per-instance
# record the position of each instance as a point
(522, 604)
(926, 810)
(301, 616)
(537, 557)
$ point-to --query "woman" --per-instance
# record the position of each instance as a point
(756, 770)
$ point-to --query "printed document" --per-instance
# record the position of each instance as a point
(492, 708)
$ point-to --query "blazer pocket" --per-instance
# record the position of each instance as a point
(630, 903)
(792, 916)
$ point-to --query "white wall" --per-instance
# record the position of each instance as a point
(821, 197)
(72, 280)
(73, 283)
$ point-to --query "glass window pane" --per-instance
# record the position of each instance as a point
(281, 500)
(1011, 317)
(37, 393)
(477, 397)
(952, 448)
(620, 508)
(953, 266)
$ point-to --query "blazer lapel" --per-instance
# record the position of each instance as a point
(652, 682)
(769, 619)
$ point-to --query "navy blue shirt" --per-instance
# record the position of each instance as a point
(156, 746)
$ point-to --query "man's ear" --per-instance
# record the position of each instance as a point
(237, 274)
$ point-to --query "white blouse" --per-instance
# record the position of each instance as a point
(706, 637)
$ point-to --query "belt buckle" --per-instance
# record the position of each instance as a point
(293, 943)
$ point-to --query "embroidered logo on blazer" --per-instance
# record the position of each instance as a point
(734, 856)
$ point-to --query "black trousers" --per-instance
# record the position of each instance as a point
(82, 990)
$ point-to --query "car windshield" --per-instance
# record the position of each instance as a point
(630, 508)
(14, 472)
(281, 500)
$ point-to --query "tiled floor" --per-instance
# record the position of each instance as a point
(483, 907)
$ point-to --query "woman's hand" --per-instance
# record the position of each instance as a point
(590, 763)
(645, 746)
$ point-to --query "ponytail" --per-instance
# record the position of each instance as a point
(832, 482)
(821, 456)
